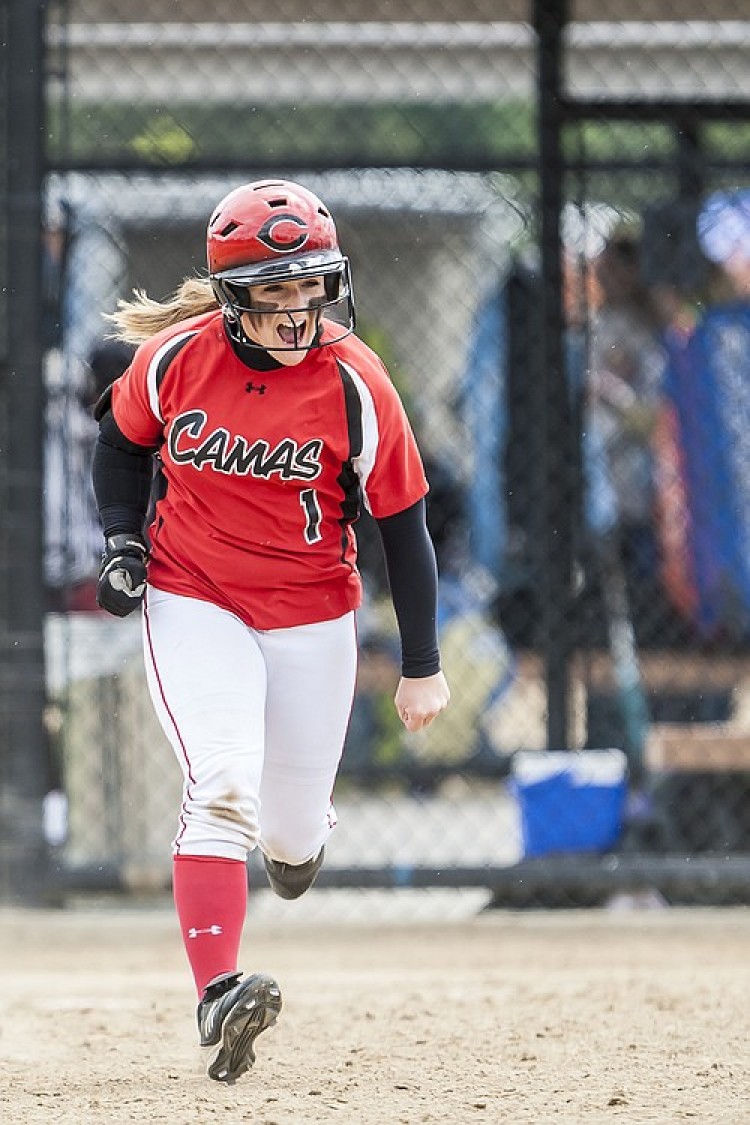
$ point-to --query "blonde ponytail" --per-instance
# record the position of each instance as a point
(138, 319)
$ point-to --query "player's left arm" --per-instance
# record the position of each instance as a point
(422, 691)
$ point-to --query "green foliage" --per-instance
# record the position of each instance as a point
(728, 140)
(165, 140)
(451, 135)
(619, 140)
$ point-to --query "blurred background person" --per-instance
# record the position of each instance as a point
(626, 365)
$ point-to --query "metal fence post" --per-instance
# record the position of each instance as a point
(556, 515)
(23, 745)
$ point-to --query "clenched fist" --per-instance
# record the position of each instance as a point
(122, 577)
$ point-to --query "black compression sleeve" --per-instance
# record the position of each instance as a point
(122, 473)
(412, 577)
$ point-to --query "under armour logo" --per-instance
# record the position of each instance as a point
(250, 387)
(213, 930)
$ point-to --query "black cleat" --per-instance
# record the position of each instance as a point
(231, 1016)
(290, 880)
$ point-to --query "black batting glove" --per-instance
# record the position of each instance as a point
(122, 577)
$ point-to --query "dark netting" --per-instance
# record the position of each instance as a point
(549, 231)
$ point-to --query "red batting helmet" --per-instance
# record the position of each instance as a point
(270, 231)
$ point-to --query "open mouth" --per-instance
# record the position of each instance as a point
(291, 335)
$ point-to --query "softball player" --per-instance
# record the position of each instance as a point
(243, 436)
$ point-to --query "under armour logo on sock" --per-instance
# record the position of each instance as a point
(213, 930)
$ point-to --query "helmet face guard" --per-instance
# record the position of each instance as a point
(270, 232)
(234, 291)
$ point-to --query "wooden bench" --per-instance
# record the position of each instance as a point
(697, 748)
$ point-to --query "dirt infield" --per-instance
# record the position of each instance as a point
(550, 1017)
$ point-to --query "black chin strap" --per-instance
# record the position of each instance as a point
(251, 354)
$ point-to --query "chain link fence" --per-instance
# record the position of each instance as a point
(424, 134)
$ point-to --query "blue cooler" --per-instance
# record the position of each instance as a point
(569, 801)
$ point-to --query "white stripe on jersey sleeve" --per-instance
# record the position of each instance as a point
(363, 464)
(153, 372)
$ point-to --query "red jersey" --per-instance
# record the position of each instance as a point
(263, 470)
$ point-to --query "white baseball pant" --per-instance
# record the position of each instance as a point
(257, 721)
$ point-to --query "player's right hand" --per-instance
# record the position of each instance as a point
(122, 577)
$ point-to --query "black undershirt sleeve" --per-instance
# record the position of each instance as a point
(122, 474)
(412, 577)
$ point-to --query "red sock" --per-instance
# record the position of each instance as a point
(210, 895)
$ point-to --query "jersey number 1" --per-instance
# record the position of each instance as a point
(308, 498)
